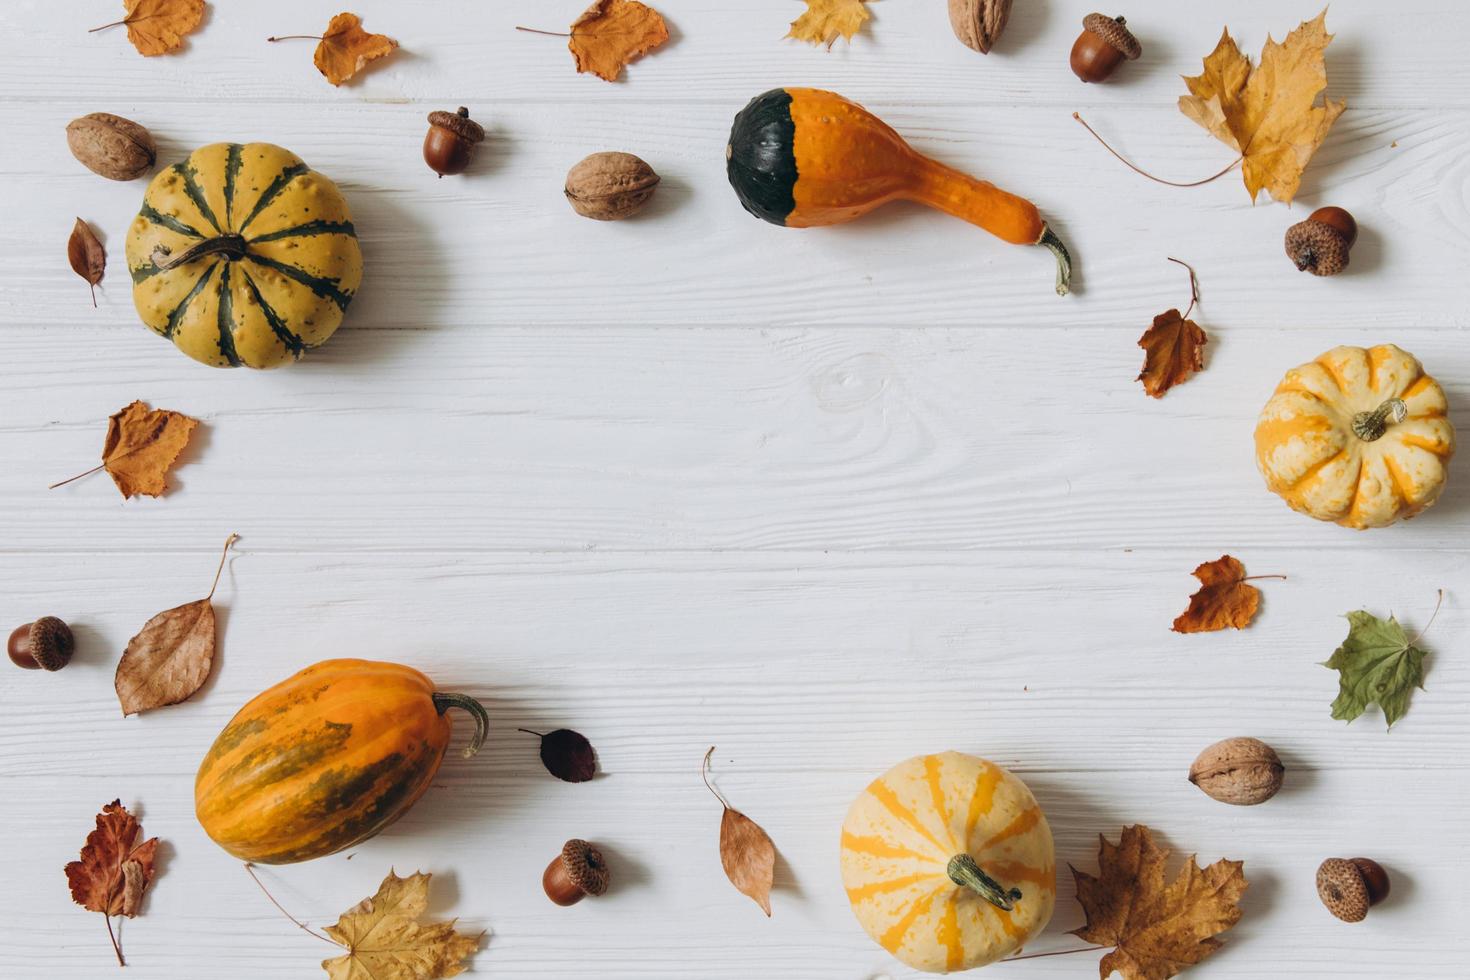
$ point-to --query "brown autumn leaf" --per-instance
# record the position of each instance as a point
(172, 655)
(1157, 928)
(141, 446)
(114, 869)
(566, 754)
(386, 941)
(1224, 599)
(346, 48)
(1173, 350)
(158, 26)
(746, 851)
(1269, 115)
(824, 21)
(611, 33)
(87, 256)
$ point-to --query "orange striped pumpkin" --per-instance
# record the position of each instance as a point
(948, 862)
(326, 759)
(1358, 436)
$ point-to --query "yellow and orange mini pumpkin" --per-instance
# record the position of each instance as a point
(1358, 436)
(948, 862)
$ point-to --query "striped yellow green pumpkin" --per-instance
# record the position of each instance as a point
(325, 759)
(242, 255)
(948, 862)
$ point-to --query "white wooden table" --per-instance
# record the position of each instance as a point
(824, 499)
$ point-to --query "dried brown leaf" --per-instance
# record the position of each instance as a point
(158, 26)
(386, 941)
(1224, 599)
(346, 48)
(87, 256)
(171, 656)
(1157, 929)
(1173, 350)
(567, 755)
(746, 851)
(142, 445)
(114, 869)
(611, 33)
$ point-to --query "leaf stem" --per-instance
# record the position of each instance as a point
(78, 476)
(1420, 635)
(704, 774)
(1252, 578)
(110, 935)
(250, 870)
(1138, 170)
(296, 37)
(532, 30)
(116, 23)
(1059, 952)
(1193, 286)
(218, 571)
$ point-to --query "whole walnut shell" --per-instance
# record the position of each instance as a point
(1239, 771)
(978, 23)
(114, 147)
(610, 186)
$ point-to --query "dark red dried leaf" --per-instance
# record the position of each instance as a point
(567, 755)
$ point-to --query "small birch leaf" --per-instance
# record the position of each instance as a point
(611, 33)
(346, 48)
(746, 851)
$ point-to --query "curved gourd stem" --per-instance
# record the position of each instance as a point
(963, 871)
(1049, 240)
(1370, 426)
(232, 246)
(443, 702)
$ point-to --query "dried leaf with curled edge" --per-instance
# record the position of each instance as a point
(87, 257)
(172, 655)
(824, 21)
(346, 48)
(386, 941)
(1157, 929)
(1173, 350)
(114, 869)
(746, 851)
(611, 33)
(158, 26)
(1224, 600)
(1269, 115)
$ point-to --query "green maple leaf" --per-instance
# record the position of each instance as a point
(1377, 662)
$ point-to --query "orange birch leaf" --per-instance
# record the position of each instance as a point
(346, 48)
(611, 33)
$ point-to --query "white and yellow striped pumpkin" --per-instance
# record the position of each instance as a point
(948, 862)
(1358, 436)
(242, 255)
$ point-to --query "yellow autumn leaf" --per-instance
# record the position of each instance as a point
(1268, 115)
(826, 20)
(385, 940)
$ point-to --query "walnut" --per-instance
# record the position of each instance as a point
(1239, 771)
(114, 147)
(978, 23)
(610, 186)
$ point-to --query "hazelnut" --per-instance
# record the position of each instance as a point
(610, 186)
(1320, 244)
(1349, 887)
(46, 644)
(451, 141)
(978, 23)
(114, 147)
(575, 873)
(1239, 771)
(1102, 46)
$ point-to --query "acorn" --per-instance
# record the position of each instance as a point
(1101, 47)
(451, 141)
(1349, 887)
(1320, 244)
(46, 644)
(575, 873)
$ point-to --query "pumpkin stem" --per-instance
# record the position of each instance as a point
(232, 246)
(443, 702)
(963, 871)
(1050, 240)
(1369, 426)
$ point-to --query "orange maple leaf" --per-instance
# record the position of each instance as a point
(611, 33)
(346, 48)
(1223, 600)
(158, 26)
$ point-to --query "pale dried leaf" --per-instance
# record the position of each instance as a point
(611, 33)
(385, 940)
(168, 660)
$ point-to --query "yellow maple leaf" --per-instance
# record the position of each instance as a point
(385, 940)
(1270, 116)
(826, 20)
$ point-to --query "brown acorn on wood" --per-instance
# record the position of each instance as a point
(575, 873)
(1102, 46)
(451, 141)
(1320, 244)
(1351, 886)
(46, 644)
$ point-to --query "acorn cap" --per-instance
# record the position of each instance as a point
(459, 123)
(1317, 247)
(1341, 887)
(51, 643)
(585, 866)
(1114, 30)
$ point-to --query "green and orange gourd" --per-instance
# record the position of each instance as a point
(803, 157)
(326, 759)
